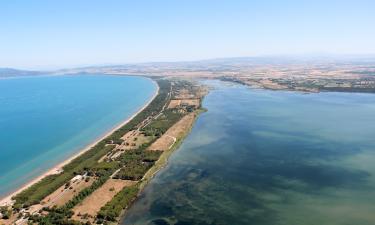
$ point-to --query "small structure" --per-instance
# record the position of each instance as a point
(76, 178)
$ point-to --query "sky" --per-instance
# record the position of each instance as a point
(57, 34)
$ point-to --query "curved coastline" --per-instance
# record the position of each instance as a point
(7, 198)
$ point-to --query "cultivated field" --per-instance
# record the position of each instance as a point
(87, 210)
(134, 139)
(66, 193)
(174, 104)
(181, 102)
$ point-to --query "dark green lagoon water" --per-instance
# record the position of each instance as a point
(264, 157)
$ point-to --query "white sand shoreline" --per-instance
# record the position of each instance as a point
(7, 200)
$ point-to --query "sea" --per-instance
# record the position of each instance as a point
(261, 157)
(44, 120)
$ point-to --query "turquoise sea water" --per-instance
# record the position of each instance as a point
(44, 120)
(269, 158)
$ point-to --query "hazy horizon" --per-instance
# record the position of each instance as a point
(297, 58)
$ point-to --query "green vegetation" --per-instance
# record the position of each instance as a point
(55, 216)
(159, 126)
(111, 211)
(153, 109)
(136, 164)
(49, 184)
(5, 212)
(62, 215)
(85, 192)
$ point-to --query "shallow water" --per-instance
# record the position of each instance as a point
(269, 157)
(44, 120)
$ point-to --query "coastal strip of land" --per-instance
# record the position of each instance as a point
(111, 173)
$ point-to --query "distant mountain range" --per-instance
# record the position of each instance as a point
(219, 64)
(9, 72)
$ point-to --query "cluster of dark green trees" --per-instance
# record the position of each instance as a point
(55, 216)
(159, 126)
(112, 210)
(5, 212)
(136, 164)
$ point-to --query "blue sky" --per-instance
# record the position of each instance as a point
(50, 34)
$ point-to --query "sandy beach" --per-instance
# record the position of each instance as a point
(7, 200)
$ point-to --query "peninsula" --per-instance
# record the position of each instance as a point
(100, 183)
